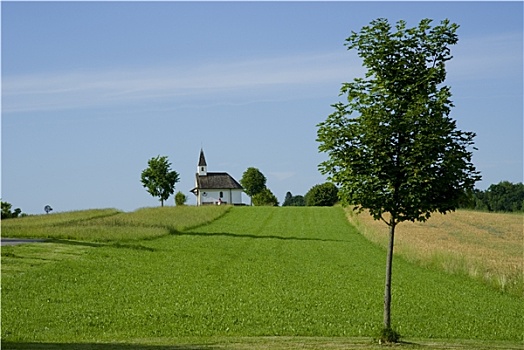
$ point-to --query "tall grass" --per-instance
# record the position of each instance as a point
(104, 225)
(485, 246)
(57, 219)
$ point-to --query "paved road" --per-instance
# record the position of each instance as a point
(16, 241)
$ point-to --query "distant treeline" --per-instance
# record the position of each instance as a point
(321, 195)
(8, 213)
(504, 197)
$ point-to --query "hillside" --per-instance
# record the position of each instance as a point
(254, 272)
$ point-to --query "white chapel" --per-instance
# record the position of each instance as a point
(215, 188)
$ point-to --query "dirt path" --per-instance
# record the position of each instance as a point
(16, 241)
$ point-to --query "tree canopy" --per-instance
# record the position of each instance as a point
(180, 198)
(294, 201)
(265, 198)
(159, 179)
(322, 195)
(393, 148)
(503, 197)
(8, 214)
(253, 181)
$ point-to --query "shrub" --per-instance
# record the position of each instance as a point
(180, 198)
(297, 201)
(323, 195)
(265, 198)
(294, 201)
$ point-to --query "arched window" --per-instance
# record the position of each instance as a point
(221, 194)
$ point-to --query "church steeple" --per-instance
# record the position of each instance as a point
(202, 165)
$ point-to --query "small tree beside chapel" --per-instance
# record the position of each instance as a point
(393, 148)
(253, 182)
(159, 179)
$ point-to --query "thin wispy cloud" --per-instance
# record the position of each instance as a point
(496, 56)
(487, 57)
(96, 88)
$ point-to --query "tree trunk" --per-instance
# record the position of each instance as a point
(389, 265)
(161, 202)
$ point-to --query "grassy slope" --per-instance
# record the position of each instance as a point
(254, 272)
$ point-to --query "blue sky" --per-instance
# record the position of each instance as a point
(92, 90)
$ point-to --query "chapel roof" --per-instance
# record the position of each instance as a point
(217, 181)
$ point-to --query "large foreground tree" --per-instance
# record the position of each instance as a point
(392, 147)
(159, 179)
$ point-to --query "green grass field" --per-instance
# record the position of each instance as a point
(256, 277)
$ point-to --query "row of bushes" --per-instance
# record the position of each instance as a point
(323, 195)
(503, 197)
(9, 213)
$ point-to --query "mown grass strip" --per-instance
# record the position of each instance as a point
(20, 259)
(256, 272)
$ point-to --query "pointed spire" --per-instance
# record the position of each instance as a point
(202, 159)
(202, 165)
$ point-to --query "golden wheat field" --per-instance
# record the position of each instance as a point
(488, 246)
